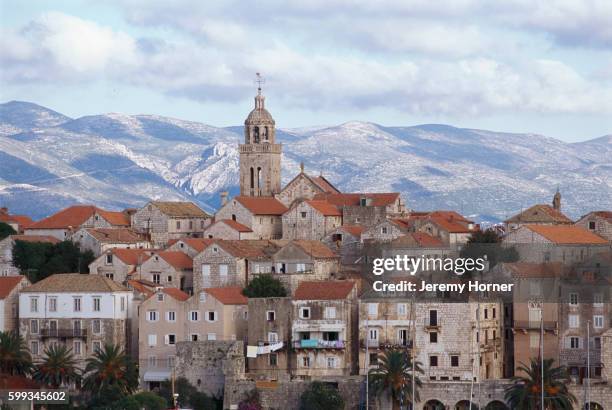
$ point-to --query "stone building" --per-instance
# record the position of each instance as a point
(539, 214)
(451, 227)
(171, 269)
(119, 264)
(598, 222)
(189, 246)
(62, 224)
(310, 219)
(99, 240)
(84, 312)
(263, 215)
(163, 221)
(17, 222)
(387, 230)
(6, 250)
(305, 187)
(366, 209)
(260, 155)
(229, 229)
(324, 329)
(568, 244)
(346, 241)
(10, 286)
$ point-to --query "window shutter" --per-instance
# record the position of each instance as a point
(166, 339)
(567, 342)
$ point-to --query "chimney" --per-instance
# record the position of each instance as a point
(224, 196)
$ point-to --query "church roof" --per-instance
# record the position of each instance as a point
(259, 115)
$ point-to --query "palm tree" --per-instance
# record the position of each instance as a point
(526, 392)
(394, 377)
(110, 367)
(14, 355)
(57, 368)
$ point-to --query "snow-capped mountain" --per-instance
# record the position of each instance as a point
(48, 161)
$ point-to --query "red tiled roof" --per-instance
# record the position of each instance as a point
(75, 216)
(353, 199)
(176, 294)
(262, 205)
(450, 215)
(176, 259)
(237, 226)
(325, 208)
(131, 256)
(324, 290)
(426, 240)
(355, 230)
(316, 249)
(451, 221)
(243, 249)
(115, 218)
(116, 235)
(141, 287)
(535, 270)
(21, 220)
(35, 238)
(8, 283)
(540, 213)
(228, 296)
(325, 185)
(402, 223)
(199, 244)
(567, 234)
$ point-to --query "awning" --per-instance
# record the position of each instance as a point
(159, 376)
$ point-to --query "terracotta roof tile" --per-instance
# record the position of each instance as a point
(141, 287)
(176, 259)
(237, 226)
(176, 294)
(325, 185)
(8, 283)
(316, 249)
(115, 218)
(325, 208)
(540, 213)
(353, 199)
(199, 244)
(355, 230)
(535, 270)
(262, 205)
(75, 282)
(228, 296)
(131, 256)
(180, 209)
(116, 235)
(35, 238)
(324, 290)
(567, 234)
(75, 216)
(22, 220)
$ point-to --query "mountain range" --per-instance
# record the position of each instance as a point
(49, 160)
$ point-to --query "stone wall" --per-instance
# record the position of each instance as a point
(215, 256)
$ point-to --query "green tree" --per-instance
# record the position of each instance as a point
(143, 400)
(394, 377)
(488, 243)
(14, 355)
(264, 286)
(321, 396)
(526, 391)
(6, 230)
(58, 368)
(110, 367)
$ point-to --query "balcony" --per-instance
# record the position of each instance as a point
(393, 344)
(63, 333)
(318, 344)
(431, 324)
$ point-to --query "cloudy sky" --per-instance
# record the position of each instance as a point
(542, 66)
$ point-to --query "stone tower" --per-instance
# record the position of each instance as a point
(556, 202)
(260, 156)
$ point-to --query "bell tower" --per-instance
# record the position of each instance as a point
(260, 156)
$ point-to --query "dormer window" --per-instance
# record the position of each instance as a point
(109, 259)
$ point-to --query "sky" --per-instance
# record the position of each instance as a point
(536, 66)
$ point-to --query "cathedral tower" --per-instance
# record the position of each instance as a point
(260, 156)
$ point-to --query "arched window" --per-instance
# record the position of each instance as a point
(233, 217)
(252, 178)
(258, 178)
(265, 134)
(256, 135)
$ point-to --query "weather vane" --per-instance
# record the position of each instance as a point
(259, 80)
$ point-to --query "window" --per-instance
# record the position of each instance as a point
(245, 315)
(373, 359)
(486, 313)
(33, 304)
(402, 337)
(76, 303)
(373, 336)
(574, 321)
(170, 361)
(597, 342)
(454, 361)
(211, 336)
(96, 326)
(401, 309)
(96, 304)
(160, 297)
(433, 361)
(34, 326)
(433, 337)
(305, 361)
(109, 259)
(270, 316)
(330, 312)
(157, 279)
(194, 316)
(110, 276)
(53, 304)
(171, 339)
(194, 337)
(574, 343)
(303, 214)
(332, 362)
(300, 267)
(272, 337)
(305, 313)
(373, 309)
(598, 299)
(592, 225)
(384, 230)
(433, 318)
(273, 359)
(34, 347)
(76, 347)
(178, 224)
(96, 346)
(206, 270)
(171, 316)
(494, 313)
(152, 361)
(223, 270)
(598, 321)
(190, 225)
(152, 316)
(211, 316)
(573, 299)
(152, 340)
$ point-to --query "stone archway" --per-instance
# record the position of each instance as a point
(434, 405)
(496, 405)
(465, 405)
(593, 406)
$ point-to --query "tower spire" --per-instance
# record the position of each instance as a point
(259, 98)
